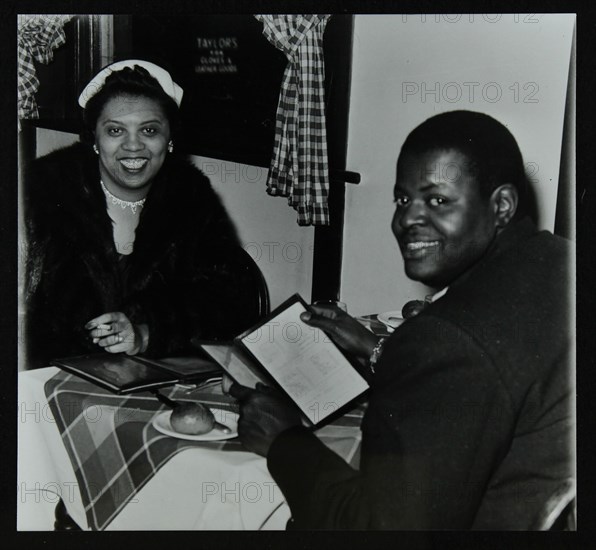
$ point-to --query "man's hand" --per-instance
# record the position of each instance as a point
(264, 414)
(344, 330)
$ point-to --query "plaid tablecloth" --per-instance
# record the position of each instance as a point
(115, 450)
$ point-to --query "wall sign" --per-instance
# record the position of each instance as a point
(230, 73)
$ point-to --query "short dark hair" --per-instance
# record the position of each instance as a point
(134, 82)
(493, 153)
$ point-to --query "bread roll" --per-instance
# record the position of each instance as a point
(192, 419)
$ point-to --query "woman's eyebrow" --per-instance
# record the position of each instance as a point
(115, 121)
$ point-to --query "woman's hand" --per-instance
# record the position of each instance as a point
(115, 333)
(344, 330)
(264, 414)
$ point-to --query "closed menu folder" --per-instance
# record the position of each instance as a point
(284, 352)
(124, 374)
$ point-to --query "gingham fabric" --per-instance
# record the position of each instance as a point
(38, 36)
(299, 167)
(115, 450)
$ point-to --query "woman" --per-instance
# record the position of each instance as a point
(130, 250)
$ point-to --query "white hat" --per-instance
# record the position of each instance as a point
(161, 75)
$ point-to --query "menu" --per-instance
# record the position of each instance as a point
(303, 361)
(123, 374)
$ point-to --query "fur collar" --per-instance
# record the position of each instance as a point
(68, 204)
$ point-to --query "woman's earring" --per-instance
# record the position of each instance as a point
(171, 147)
(95, 149)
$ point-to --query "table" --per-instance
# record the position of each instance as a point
(137, 478)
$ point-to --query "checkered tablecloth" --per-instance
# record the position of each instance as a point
(115, 450)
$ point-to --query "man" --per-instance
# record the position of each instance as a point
(469, 422)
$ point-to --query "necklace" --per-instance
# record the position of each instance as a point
(123, 204)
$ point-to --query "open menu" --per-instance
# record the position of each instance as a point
(299, 359)
(122, 374)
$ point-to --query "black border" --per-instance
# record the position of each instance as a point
(586, 281)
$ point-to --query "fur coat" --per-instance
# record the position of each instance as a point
(186, 277)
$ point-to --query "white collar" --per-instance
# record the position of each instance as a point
(439, 294)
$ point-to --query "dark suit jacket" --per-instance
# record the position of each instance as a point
(187, 275)
(469, 423)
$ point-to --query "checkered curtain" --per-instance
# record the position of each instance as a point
(299, 168)
(37, 38)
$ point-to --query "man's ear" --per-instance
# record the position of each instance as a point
(505, 199)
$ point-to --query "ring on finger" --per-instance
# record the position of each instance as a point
(105, 328)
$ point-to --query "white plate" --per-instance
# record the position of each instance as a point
(162, 424)
(391, 319)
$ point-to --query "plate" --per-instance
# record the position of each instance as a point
(162, 424)
(391, 319)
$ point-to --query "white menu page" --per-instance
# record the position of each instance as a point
(305, 363)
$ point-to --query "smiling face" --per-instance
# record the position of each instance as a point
(442, 223)
(132, 135)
